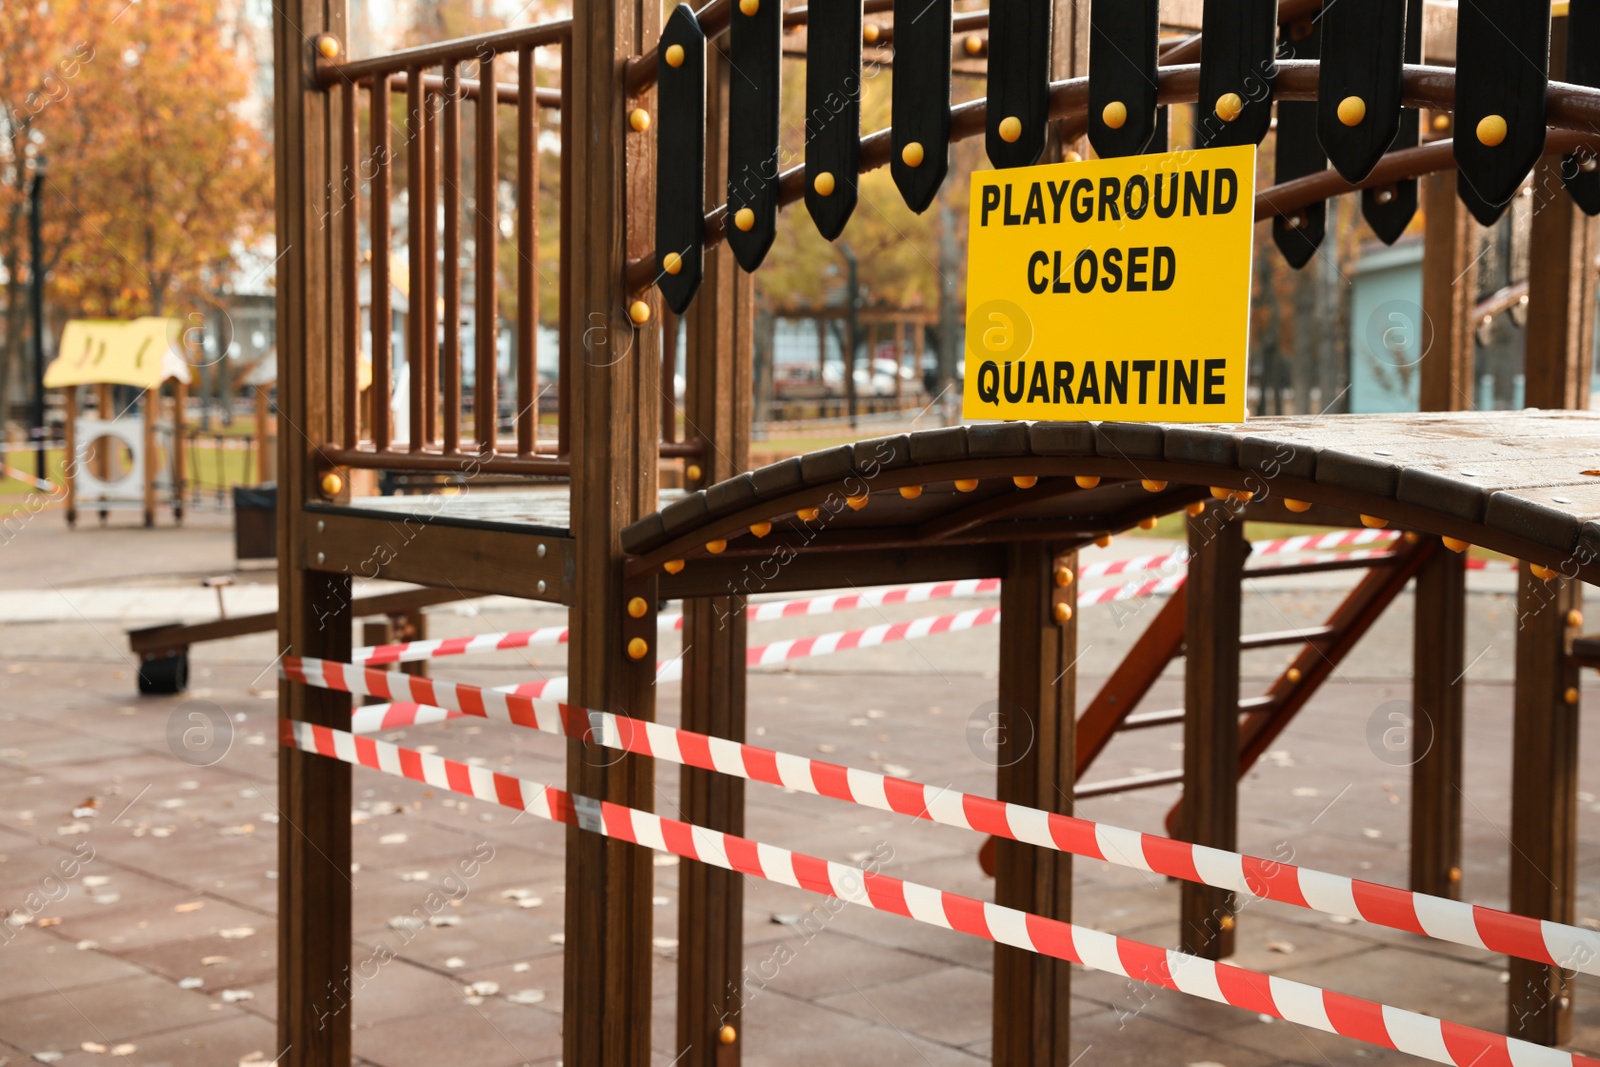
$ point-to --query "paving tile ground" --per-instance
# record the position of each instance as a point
(163, 937)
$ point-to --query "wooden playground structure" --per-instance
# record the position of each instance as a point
(670, 195)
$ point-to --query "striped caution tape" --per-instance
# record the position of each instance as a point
(1297, 1002)
(1447, 920)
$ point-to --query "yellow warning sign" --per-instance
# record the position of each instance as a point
(1111, 289)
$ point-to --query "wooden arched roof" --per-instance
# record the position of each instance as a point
(1524, 483)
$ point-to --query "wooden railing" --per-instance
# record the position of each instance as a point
(452, 428)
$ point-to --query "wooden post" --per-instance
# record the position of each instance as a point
(1544, 799)
(263, 449)
(69, 466)
(1544, 758)
(615, 372)
(1035, 766)
(1211, 722)
(314, 880)
(717, 410)
(180, 396)
(151, 406)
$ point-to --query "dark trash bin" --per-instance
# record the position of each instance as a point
(255, 521)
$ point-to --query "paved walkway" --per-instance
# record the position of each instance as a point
(142, 889)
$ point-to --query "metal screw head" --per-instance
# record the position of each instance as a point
(541, 585)
(540, 551)
(322, 557)
(321, 526)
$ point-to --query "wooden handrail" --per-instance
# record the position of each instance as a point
(330, 73)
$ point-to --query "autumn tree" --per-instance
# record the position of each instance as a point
(157, 165)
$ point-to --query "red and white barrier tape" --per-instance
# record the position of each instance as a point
(1297, 1002)
(1446, 920)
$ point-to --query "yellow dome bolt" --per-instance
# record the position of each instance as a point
(760, 529)
(639, 312)
(870, 33)
(1455, 544)
(332, 484)
(1372, 522)
(1352, 109)
(1455, 874)
(1152, 485)
(1114, 114)
(328, 46)
(745, 219)
(1196, 508)
(910, 492)
(1410, 537)
(674, 55)
(974, 45)
(749, 7)
(1574, 617)
(1064, 577)
(1147, 523)
(1542, 573)
(912, 154)
(672, 566)
(808, 514)
(1491, 130)
(727, 1035)
(693, 472)
(1024, 481)
(1571, 695)
(717, 547)
(1063, 612)
(639, 119)
(638, 606)
(966, 485)
(856, 502)
(1229, 107)
(1087, 481)
(638, 648)
(1010, 129)
(1226, 922)
(1293, 674)
(672, 263)
(1297, 505)
(1441, 121)
(1104, 540)
(823, 184)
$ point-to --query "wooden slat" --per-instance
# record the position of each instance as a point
(382, 336)
(755, 43)
(1275, 638)
(416, 247)
(681, 160)
(1502, 64)
(1580, 33)
(833, 113)
(568, 327)
(349, 265)
(429, 282)
(1037, 693)
(1211, 730)
(450, 354)
(920, 108)
(1122, 72)
(1018, 81)
(1449, 285)
(1129, 784)
(1238, 59)
(1363, 54)
(486, 235)
(527, 254)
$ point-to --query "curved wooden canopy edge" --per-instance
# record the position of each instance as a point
(1573, 114)
(1523, 483)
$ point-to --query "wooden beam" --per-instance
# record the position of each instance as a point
(1211, 727)
(717, 409)
(314, 880)
(1438, 665)
(1449, 290)
(1035, 766)
(615, 415)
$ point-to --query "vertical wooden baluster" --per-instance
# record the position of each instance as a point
(527, 253)
(382, 338)
(564, 356)
(485, 403)
(451, 280)
(430, 273)
(350, 415)
(416, 287)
